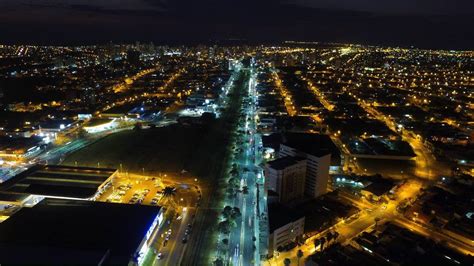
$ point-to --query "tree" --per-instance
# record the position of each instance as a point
(245, 190)
(317, 242)
(323, 241)
(224, 227)
(287, 262)
(219, 262)
(168, 198)
(233, 181)
(230, 191)
(234, 171)
(225, 241)
(330, 237)
(227, 212)
(236, 213)
(299, 254)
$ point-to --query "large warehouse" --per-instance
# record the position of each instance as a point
(64, 232)
(60, 181)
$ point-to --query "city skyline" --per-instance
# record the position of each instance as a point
(439, 25)
(237, 132)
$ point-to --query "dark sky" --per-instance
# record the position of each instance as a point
(445, 24)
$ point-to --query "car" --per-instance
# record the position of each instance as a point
(159, 256)
(184, 240)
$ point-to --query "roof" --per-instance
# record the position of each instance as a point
(280, 215)
(13, 198)
(310, 143)
(380, 187)
(59, 181)
(97, 122)
(284, 162)
(58, 231)
(313, 144)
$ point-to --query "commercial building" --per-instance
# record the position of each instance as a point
(285, 227)
(317, 170)
(286, 176)
(378, 190)
(96, 125)
(318, 150)
(58, 181)
(61, 232)
(50, 128)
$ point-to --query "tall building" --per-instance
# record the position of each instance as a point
(285, 226)
(317, 170)
(286, 176)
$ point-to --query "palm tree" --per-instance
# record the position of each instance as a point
(323, 241)
(329, 237)
(287, 262)
(377, 220)
(299, 254)
(168, 197)
(317, 242)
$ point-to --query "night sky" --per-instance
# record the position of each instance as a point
(447, 24)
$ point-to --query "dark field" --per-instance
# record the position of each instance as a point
(166, 149)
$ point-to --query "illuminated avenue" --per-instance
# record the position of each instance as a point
(292, 154)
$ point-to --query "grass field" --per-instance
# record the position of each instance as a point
(165, 149)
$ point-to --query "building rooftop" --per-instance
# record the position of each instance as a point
(58, 231)
(380, 186)
(97, 122)
(284, 162)
(346, 255)
(280, 215)
(58, 181)
(313, 144)
(12, 198)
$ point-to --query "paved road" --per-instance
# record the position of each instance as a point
(243, 244)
